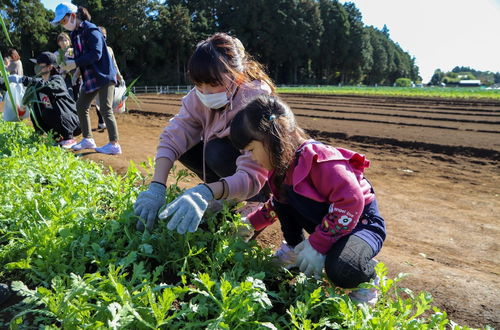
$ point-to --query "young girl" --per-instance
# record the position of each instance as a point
(225, 78)
(54, 109)
(97, 70)
(316, 188)
(65, 52)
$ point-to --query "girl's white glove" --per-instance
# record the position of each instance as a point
(309, 261)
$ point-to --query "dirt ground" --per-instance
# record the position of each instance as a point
(435, 169)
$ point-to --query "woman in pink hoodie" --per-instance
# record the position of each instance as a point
(225, 78)
(316, 188)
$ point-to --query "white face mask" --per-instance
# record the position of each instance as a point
(70, 26)
(213, 101)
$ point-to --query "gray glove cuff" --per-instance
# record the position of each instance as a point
(204, 191)
(157, 188)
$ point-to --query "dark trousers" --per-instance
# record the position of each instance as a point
(220, 162)
(350, 260)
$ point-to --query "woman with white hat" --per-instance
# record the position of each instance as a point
(98, 72)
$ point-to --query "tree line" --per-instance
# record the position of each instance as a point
(299, 41)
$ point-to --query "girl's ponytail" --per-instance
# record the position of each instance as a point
(83, 14)
(255, 71)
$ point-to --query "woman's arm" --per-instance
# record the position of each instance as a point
(162, 169)
(93, 49)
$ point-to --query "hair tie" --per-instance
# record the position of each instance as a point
(272, 117)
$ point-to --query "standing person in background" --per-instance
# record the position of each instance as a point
(15, 65)
(225, 79)
(101, 125)
(104, 32)
(98, 73)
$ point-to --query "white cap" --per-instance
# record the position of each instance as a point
(62, 10)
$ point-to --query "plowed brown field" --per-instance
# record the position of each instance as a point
(435, 167)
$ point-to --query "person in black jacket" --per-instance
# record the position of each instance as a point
(53, 107)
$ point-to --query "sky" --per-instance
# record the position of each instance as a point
(440, 34)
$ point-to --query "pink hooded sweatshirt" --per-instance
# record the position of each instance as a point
(327, 175)
(196, 122)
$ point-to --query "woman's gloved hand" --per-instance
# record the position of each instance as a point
(309, 261)
(186, 211)
(148, 203)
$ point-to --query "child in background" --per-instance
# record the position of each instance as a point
(316, 188)
(53, 107)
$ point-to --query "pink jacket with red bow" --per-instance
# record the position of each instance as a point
(327, 175)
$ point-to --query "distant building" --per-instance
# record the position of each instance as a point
(469, 83)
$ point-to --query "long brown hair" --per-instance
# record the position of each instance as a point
(269, 120)
(220, 56)
(83, 14)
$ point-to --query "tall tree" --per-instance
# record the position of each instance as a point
(31, 31)
(359, 56)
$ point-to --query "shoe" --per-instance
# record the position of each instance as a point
(249, 208)
(5, 293)
(367, 296)
(101, 126)
(286, 255)
(86, 143)
(67, 144)
(110, 149)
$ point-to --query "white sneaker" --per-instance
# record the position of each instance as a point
(67, 144)
(366, 296)
(110, 149)
(86, 143)
(286, 255)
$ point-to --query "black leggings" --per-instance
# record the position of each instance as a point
(348, 263)
(220, 162)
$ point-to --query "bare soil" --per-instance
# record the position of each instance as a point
(435, 169)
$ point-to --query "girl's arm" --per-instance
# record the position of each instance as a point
(264, 216)
(340, 185)
(248, 179)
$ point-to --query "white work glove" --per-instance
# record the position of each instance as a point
(187, 210)
(68, 66)
(246, 231)
(309, 261)
(148, 203)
